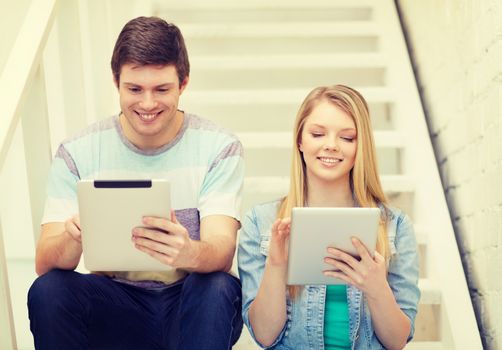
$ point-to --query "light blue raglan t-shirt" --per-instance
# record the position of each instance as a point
(203, 163)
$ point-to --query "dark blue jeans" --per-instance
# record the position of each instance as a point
(69, 310)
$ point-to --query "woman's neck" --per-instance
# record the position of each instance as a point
(333, 195)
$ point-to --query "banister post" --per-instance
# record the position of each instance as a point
(7, 333)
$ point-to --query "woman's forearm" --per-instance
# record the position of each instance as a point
(267, 313)
(391, 325)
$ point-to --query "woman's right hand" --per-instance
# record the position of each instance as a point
(268, 311)
(279, 242)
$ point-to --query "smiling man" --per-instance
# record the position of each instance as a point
(197, 305)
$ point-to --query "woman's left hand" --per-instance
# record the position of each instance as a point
(368, 274)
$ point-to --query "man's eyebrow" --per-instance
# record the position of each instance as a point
(157, 86)
(165, 85)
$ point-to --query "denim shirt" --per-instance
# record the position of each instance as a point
(305, 315)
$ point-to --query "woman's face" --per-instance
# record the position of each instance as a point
(328, 144)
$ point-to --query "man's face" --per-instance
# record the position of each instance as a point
(149, 98)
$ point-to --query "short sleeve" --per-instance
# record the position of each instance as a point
(221, 189)
(61, 201)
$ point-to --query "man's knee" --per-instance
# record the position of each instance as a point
(54, 286)
(215, 284)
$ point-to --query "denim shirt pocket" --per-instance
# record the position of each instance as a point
(391, 234)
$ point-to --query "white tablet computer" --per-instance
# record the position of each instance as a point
(109, 210)
(314, 229)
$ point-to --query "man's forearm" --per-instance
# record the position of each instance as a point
(58, 251)
(214, 256)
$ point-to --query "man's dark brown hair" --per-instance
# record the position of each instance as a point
(150, 40)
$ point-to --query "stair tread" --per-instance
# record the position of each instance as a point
(275, 96)
(290, 29)
(284, 139)
(258, 4)
(287, 61)
(424, 345)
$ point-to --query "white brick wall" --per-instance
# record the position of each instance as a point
(457, 47)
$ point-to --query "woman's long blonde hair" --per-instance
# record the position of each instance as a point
(364, 179)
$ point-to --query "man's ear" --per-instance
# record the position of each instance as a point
(115, 82)
(184, 84)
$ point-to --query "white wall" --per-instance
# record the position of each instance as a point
(457, 46)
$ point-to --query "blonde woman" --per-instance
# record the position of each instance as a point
(334, 165)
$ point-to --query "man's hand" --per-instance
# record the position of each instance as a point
(167, 241)
(72, 226)
(59, 246)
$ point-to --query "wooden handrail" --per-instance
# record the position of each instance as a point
(15, 84)
(7, 333)
(21, 66)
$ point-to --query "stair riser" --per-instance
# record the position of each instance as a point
(427, 323)
(270, 117)
(230, 15)
(284, 78)
(285, 45)
(276, 161)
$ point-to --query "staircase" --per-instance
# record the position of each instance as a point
(252, 64)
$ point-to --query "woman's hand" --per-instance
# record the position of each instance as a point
(279, 241)
(368, 274)
(267, 313)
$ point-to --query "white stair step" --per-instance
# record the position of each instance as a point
(424, 345)
(431, 295)
(287, 61)
(421, 234)
(280, 184)
(291, 29)
(258, 4)
(421, 238)
(383, 139)
(264, 96)
(397, 183)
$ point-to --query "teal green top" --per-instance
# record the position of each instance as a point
(336, 319)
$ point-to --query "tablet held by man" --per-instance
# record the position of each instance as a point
(109, 210)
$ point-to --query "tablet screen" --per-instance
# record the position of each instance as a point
(315, 229)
